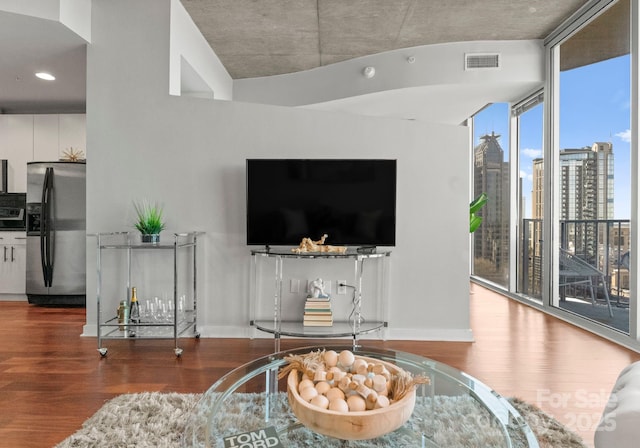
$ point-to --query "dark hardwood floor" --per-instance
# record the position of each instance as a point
(51, 379)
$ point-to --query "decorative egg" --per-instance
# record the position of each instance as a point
(334, 393)
(356, 403)
(330, 358)
(321, 401)
(304, 384)
(308, 393)
(338, 405)
(323, 387)
(346, 359)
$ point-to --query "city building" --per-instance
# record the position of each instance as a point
(491, 176)
(537, 197)
(586, 181)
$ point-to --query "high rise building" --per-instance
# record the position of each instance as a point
(586, 196)
(537, 198)
(491, 242)
(586, 183)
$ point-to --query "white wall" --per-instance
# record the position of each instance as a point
(188, 47)
(521, 64)
(190, 154)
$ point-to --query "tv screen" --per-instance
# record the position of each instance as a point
(352, 201)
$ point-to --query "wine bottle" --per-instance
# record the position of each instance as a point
(134, 308)
(123, 315)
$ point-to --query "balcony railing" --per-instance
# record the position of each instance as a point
(604, 244)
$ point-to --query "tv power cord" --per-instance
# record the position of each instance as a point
(355, 304)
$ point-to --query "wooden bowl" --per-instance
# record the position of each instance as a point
(350, 425)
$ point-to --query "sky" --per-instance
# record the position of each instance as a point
(594, 107)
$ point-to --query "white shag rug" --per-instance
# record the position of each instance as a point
(160, 420)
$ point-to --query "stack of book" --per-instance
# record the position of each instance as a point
(317, 312)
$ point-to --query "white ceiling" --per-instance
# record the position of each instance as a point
(261, 38)
(29, 45)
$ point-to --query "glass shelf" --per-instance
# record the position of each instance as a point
(111, 329)
(352, 252)
(297, 329)
(128, 240)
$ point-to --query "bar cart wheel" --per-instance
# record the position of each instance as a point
(102, 351)
(178, 352)
(197, 335)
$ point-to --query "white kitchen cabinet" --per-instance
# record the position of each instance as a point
(13, 262)
(42, 138)
(17, 148)
(45, 138)
(53, 135)
(72, 134)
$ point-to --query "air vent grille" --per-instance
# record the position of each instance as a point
(480, 61)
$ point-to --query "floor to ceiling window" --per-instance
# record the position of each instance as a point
(528, 116)
(557, 230)
(491, 176)
(592, 164)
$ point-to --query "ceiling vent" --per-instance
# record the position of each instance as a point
(481, 61)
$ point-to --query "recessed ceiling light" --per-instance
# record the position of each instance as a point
(46, 76)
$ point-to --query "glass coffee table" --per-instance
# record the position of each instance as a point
(250, 405)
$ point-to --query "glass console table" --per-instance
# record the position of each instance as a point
(352, 325)
(454, 410)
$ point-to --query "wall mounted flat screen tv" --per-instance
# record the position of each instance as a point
(351, 200)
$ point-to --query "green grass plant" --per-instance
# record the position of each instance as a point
(149, 218)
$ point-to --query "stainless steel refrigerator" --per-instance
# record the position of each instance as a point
(56, 233)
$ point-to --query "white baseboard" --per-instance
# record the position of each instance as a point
(89, 330)
(215, 331)
(13, 298)
(431, 334)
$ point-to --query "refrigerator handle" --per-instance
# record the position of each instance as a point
(5, 253)
(49, 237)
(43, 225)
(13, 258)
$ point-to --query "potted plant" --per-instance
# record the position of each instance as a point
(149, 221)
(474, 207)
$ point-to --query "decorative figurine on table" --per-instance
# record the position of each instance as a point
(308, 245)
(316, 289)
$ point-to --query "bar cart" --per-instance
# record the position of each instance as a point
(165, 276)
